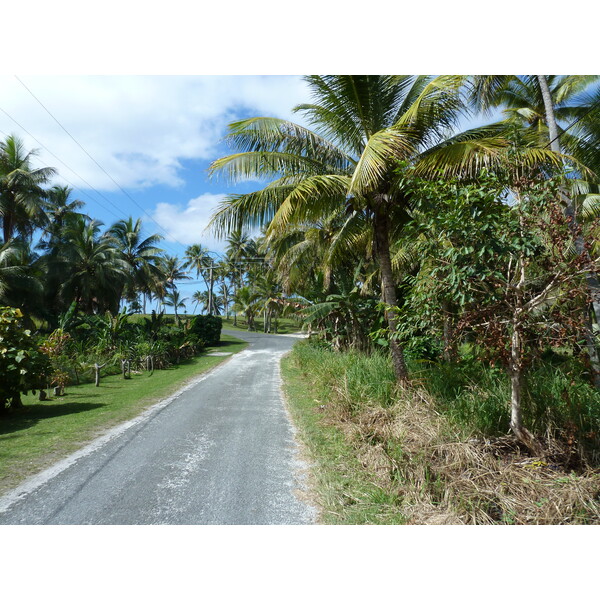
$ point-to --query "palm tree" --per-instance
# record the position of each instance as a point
(174, 299)
(522, 100)
(364, 125)
(225, 296)
(21, 194)
(141, 254)
(247, 301)
(171, 268)
(237, 250)
(94, 271)
(200, 297)
(318, 250)
(198, 257)
(59, 208)
(18, 288)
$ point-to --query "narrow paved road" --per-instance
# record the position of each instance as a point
(222, 452)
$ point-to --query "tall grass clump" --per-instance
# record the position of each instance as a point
(439, 452)
(473, 396)
(558, 404)
(351, 379)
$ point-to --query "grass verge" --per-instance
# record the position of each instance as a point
(346, 483)
(41, 433)
(385, 456)
(285, 325)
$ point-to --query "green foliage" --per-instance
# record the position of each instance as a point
(346, 320)
(22, 366)
(351, 378)
(557, 399)
(489, 258)
(206, 328)
(54, 347)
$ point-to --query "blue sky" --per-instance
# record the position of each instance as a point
(141, 145)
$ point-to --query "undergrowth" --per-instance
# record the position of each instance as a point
(441, 453)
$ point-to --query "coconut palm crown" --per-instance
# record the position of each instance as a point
(362, 128)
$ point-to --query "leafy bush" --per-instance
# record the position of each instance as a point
(206, 328)
(22, 366)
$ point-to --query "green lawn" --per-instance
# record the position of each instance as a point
(285, 325)
(41, 433)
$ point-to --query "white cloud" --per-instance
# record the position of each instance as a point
(138, 128)
(187, 224)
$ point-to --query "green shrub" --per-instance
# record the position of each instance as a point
(22, 366)
(206, 328)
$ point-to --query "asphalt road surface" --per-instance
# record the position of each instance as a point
(221, 452)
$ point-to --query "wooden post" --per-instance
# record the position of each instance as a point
(97, 367)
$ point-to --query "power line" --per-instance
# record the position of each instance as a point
(99, 165)
(66, 165)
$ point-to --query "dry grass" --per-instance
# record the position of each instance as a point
(411, 451)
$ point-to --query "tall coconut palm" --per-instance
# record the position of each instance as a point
(247, 301)
(200, 297)
(364, 126)
(139, 252)
(174, 299)
(173, 270)
(18, 287)
(59, 207)
(94, 272)
(21, 194)
(225, 294)
(198, 258)
(237, 252)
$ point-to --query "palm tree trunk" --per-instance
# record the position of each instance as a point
(7, 227)
(592, 280)
(388, 293)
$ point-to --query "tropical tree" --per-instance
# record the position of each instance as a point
(174, 299)
(18, 288)
(59, 208)
(225, 296)
(200, 297)
(172, 270)
(247, 301)
(141, 254)
(237, 251)
(364, 125)
(21, 194)
(198, 257)
(94, 271)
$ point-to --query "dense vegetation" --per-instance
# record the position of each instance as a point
(469, 256)
(70, 288)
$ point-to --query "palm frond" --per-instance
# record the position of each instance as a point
(311, 200)
(383, 148)
(255, 209)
